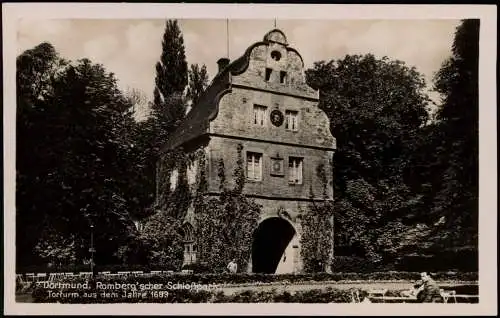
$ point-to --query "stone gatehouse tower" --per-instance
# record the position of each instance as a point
(262, 102)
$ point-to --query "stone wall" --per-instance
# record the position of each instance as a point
(278, 58)
(270, 185)
(235, 117)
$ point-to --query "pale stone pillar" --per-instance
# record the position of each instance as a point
(289, 259)
(298, 264)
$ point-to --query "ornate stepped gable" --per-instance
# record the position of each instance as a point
(197, 122)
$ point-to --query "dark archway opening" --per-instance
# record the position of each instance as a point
(269, 242)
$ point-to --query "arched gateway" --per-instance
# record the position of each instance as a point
(270, 242)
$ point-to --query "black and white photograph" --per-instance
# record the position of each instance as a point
(158, 157)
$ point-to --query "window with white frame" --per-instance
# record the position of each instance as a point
(254, 166)
(174, 176)
(259, 115)
(292, 120)
(295, 170)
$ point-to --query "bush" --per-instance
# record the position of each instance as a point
(244, 278)
(358, 265)
(461, 260)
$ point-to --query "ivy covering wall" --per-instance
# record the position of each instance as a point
(162, 236)
(175, 202)
(225, 223)
(317, 230)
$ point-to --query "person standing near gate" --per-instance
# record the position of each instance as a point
(232, 267)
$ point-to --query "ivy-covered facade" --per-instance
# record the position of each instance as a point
(250, 168)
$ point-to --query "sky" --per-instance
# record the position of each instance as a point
(130, 48)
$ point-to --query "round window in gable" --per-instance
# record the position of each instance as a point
(275, 55)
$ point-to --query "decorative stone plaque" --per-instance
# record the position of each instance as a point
(277, 168)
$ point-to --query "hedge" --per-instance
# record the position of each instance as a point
(465, 260)
(461, 261)
(242, 278)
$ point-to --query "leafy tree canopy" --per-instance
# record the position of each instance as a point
(75, 157)
(376, 107)
(198, 82)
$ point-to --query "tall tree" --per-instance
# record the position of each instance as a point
(198, 82)
(143, 139)
(376, 107)
(145, 160)
(167, 111)
(171, 79)
(74, 152)
(457, 152)
(36, 70)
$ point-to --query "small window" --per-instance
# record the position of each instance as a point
(268, 74)
(292, 120)
(282, 77)
(174, 176)
(259, 115)
(295, 170)
(275, 55)
(254, 166)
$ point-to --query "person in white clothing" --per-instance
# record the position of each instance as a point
(232, 267)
